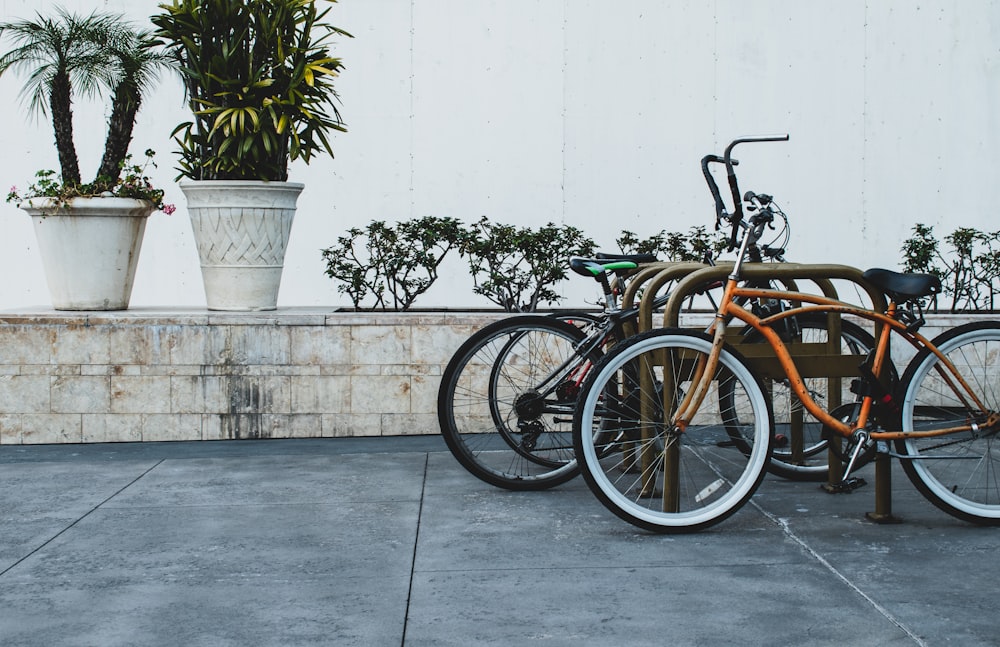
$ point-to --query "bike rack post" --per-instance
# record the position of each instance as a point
(883, 491)
(648, 279)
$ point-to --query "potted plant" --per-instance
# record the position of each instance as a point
(89, 234)
(259, 81)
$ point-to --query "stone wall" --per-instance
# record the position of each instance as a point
(154, 375)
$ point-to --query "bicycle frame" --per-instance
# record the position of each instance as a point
(731, 308)
(887, 323)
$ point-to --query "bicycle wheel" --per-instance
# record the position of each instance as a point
(799, 451)
(648, 472)
(960, 472)
(506, 401)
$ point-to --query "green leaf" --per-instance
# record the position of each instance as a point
(249, 57)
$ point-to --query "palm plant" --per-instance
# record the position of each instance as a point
(138, 63)
(70, 54)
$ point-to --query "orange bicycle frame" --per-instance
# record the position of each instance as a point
(729, 308)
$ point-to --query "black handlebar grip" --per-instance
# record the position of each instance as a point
(712, 186)
(720, 206)
(737, 216)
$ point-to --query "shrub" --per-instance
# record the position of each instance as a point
(400, 262)
(516, 267)
(969, 269)
(696, 245)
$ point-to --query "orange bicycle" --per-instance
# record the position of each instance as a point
(656, 443)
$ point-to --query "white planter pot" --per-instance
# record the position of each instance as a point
(241, 228)
(89, 248)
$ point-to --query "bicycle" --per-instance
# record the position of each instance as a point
(658, 458)
(507, 395)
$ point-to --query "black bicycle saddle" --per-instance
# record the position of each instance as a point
(903, 287)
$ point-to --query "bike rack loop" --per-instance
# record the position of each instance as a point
(655, 275)
(822, 275)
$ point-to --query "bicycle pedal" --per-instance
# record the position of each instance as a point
(847, 486)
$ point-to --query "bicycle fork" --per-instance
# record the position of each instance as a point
(700, 379)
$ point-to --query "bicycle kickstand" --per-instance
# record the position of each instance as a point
(850, 483)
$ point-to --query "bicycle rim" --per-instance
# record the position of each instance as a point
(959, 473)
(644, 471)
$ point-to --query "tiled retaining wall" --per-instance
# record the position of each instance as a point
(153, 375)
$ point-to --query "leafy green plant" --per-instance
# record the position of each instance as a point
(135, 183)
(969, 268)
(393, 264)
(69, 55)
(516, 267)
(920, 251)
(389, 266)
(259, 78)
(972, 268)
(695, 245)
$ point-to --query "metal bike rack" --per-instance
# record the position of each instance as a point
(812, 359)
(649, 279)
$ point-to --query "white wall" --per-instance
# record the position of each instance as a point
(595, 114)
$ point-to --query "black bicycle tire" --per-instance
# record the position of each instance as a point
(513, 479)
(509, 436)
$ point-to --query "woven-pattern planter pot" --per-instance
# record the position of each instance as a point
(241, 228)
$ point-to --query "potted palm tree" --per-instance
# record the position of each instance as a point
(259, 79)
(89, 233)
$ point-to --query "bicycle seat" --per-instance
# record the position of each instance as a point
(635, 258)
(601, 263)
(903, 287)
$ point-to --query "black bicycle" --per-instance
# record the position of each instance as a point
(507, 397)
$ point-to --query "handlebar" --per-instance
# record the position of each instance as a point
(734, 188)
(720, 206)
(736, 219)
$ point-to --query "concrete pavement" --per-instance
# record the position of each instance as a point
(388, 541)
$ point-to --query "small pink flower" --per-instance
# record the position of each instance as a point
(169, 209)
(13, 189)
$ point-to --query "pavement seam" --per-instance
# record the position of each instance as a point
(78, 519)
(416, 542)
(787, 530)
